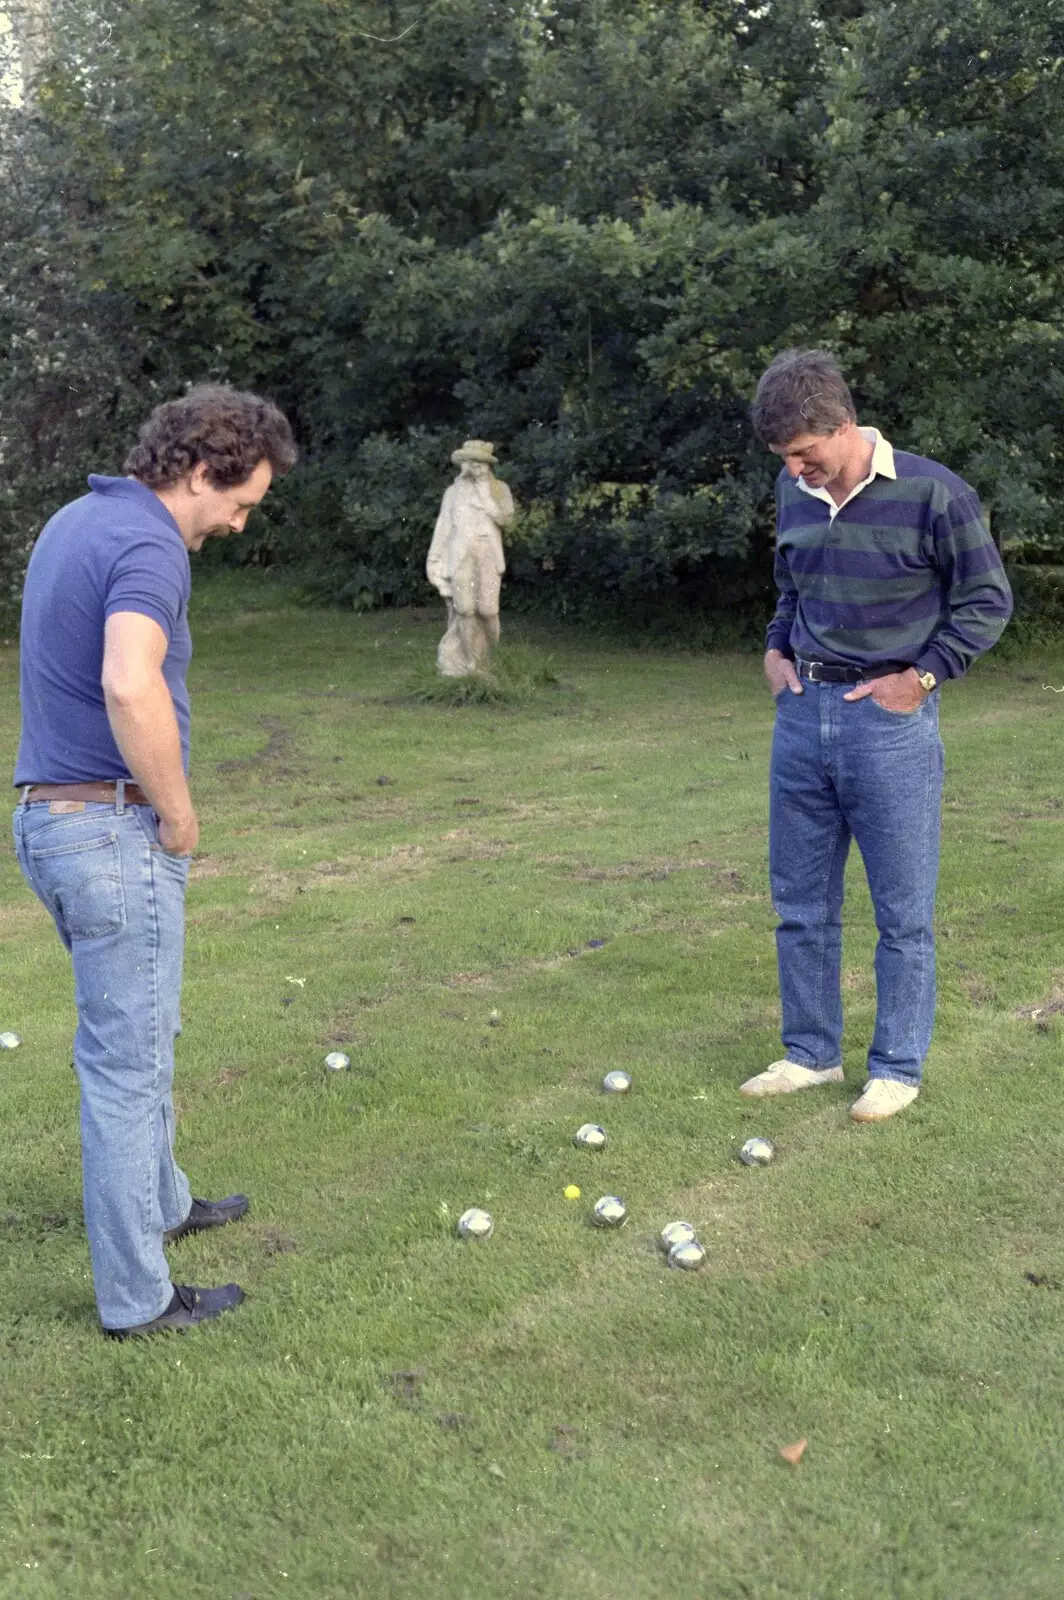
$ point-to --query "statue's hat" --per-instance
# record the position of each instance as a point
(475, 450)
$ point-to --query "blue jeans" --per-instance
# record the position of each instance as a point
(118, 901)
(845, 770)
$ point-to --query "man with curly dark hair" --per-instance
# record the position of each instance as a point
(224, 431)
(105, 825)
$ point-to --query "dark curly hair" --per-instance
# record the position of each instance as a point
(229, 430)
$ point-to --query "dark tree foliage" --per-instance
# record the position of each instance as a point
(579, 228)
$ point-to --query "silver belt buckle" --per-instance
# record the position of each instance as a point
(813, 671)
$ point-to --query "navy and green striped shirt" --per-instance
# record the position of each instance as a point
(904, 572)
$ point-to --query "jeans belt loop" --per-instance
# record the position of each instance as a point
(23, 799)
(120, 796)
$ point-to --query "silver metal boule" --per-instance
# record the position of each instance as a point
(336, 1061)
(476, 1224)
(757, 1152)
(609, 1212)
(689, 1255)
(591, 1136)
(676, 1233)
(9, 1041)
(616, 1082)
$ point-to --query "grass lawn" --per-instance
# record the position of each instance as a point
(554, 1413)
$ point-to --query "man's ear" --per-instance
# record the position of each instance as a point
(197, 478)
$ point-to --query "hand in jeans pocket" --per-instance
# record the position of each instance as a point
(178, 838)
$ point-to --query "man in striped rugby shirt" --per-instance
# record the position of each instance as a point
(889, 583)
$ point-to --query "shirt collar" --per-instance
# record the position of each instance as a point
(132, 489)
(882, 466)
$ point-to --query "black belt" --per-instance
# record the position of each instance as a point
(828, 672)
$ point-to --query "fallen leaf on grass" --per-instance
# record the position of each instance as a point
(793, 1453)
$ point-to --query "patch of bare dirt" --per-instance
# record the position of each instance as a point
(406, 1386)
(370, 811)
(400, 858)
(541, 811)
(272, 886)
(481, 850)
(21, 915)
(1041, 1012)
(231, 1075)
(276, 759)
(566, 1441)
(276, 1243)
(980, 990)
(270, 1243)
(210, 867)
(654, 869)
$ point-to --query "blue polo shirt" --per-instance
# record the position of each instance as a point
(116, 549)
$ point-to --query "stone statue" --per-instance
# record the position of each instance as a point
(465, 561)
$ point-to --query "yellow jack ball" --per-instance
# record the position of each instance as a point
(572, 1192)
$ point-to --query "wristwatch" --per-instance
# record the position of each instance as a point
(927, 680)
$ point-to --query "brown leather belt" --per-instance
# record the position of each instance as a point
(102, 791)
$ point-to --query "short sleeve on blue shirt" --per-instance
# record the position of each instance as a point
(149, 578)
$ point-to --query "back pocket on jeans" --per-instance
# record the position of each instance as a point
(82, 885)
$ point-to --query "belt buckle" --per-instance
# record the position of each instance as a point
(814, 672)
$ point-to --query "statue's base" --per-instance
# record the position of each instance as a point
(465, 648)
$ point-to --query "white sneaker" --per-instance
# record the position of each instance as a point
(784, 1077)
(882, 1098)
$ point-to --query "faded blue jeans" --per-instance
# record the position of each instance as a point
(845, 770)
(118, 901)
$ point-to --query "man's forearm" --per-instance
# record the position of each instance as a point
(145, 730)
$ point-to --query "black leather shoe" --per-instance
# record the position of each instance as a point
(208, 1214)
(188, 1307)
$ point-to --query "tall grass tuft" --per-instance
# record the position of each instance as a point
(518, 675)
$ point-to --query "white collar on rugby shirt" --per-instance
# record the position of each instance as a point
(882, 464)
